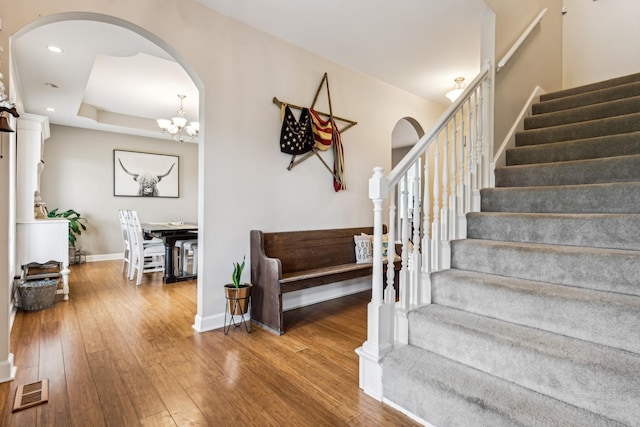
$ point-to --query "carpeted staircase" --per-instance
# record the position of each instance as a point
(538, 321)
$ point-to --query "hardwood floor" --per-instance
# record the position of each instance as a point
(120, 355)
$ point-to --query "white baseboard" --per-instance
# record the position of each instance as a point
(293, 300)
(499, 159)
(7, 369)
(104, 257)
(407, 413)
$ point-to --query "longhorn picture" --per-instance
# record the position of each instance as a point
(147, 171)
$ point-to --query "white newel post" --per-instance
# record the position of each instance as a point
(379, 314)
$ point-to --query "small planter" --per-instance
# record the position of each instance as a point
(37, 294)
(238, 298)
(238, 304)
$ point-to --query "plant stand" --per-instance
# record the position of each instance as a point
(237, 306)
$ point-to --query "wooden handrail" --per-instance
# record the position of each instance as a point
(520, 40)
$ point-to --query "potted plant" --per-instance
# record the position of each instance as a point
(237, 293)
(75, 223)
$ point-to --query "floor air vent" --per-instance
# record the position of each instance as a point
(28, 395)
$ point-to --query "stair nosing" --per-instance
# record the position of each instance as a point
(569, 162)
(569, 125)
(586, 348)
(543, 246)
(582, 108)
(586, 94)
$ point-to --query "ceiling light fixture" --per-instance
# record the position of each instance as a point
(458, 87)
(177, 126)
(55, 49)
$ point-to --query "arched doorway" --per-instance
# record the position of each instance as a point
(149, 56)
(406, 133)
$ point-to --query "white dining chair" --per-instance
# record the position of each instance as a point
(126, 258)
(147, 255)
(190, 253)
(182, 256)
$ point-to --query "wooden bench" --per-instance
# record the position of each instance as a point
(292, 260)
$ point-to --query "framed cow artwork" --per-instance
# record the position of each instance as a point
(137, 174)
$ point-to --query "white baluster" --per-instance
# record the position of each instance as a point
(453, 198)
(416, 265)
(481, 158)
(390, 293)
(404, 271)
(462, 217)
(475, 161)
(467, 161)
(444, 214)
(426, 227)
(435, 225)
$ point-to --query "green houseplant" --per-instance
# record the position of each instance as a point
(76, 227)
(237, 293)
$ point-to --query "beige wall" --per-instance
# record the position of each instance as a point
(243, 180)
(537, 63)
(601, 40)
(78, 175)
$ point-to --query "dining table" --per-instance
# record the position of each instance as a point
(169, 233)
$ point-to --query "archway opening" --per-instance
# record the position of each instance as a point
(123, 127)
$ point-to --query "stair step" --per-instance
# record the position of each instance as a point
(591, 171)
(591, 87)
(591, 129)
(611, 270)
(571, 370)
(581, 149)
(447, 393)
(586, 113)
(612, 231)
(604, 318)
(620, 197)
(588, 98)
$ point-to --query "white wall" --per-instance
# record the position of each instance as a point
(78, 174)
(243, 180)
(601, 40)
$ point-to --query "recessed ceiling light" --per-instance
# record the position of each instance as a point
(52, 85)
(50, 109)
(54, 49)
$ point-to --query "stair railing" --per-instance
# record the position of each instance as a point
(520, 40)
(434, 186)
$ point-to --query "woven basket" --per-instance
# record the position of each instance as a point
(37, 294)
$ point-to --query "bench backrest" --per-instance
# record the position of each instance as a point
(306, 250)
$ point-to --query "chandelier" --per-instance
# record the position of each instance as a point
(178, 127)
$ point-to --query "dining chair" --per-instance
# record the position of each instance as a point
(190, 253)
(126, 259)
(147, 255)
(182, 256)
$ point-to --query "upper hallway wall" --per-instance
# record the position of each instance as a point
(601, 40)
(538, 62)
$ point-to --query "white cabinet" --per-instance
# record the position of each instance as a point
(42, 241)
(38, 240)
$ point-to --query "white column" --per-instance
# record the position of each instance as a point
(7, 252)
